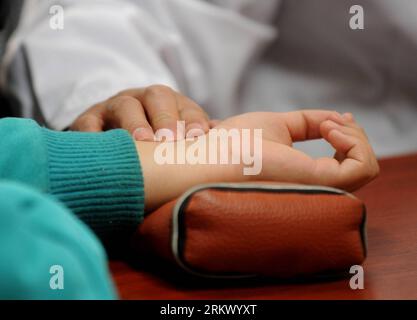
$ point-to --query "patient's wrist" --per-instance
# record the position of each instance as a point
(166, 180)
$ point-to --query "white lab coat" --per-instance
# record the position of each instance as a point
(230, 56)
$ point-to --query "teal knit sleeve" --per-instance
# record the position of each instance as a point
(96, 175)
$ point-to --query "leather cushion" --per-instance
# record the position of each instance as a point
(261, 229)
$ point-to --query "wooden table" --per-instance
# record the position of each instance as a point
(390, 269)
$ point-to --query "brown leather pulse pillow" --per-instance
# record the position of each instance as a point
(279, 230)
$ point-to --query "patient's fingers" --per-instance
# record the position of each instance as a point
(286, 164)
(127, 113)
(348, 120)
(328, 125)
(348, 128)
(349, 145)
(347, 141)
(305, 124)
(358, 165)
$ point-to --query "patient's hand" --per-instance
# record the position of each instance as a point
(142, 112)
(353, 165)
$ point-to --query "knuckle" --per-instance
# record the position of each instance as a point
(157, 90)
(118, 104)
(162, 117)
(123, 102)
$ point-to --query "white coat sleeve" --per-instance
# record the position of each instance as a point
(200, 47)
(104, 47)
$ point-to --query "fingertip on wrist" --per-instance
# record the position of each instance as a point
(143, 134)
(195, 129)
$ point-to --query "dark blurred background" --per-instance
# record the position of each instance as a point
(9, 16)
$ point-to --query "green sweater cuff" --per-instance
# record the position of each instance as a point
(98, 177)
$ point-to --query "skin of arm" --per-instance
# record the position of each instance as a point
(166, 182)
(353, 165)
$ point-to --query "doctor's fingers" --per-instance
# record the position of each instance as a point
(91, 120)
(118, 112)
(128, 113)
(164, 107)
(195, 118)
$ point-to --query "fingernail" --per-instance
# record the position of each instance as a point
(194, 130)
(165, 135)
(143, 134)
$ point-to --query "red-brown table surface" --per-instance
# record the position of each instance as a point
(390, 270)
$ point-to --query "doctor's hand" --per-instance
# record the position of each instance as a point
(353, 165)
(142, 112)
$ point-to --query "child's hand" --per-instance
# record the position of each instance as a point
(142, 112)
(354, 163)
